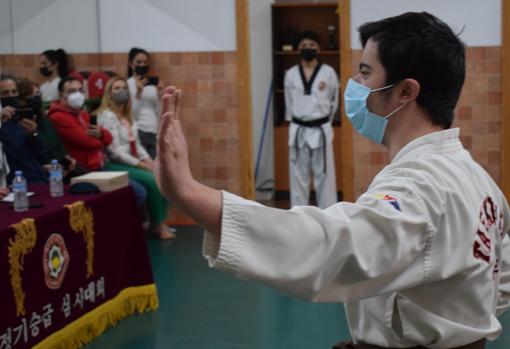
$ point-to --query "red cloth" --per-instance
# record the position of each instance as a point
(72, 126)
(120, 259)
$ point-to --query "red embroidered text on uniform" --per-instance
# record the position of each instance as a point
(491, 218)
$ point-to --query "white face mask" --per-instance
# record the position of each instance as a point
(75, 100)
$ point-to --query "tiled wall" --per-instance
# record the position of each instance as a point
(478, 115)
(210, 103)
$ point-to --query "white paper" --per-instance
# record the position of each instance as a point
(10, 196)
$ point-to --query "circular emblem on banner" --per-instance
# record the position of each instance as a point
(55, 261)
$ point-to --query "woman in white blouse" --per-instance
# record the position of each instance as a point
(54, 66)
(126, 153)
(145, 98)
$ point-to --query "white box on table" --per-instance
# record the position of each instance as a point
(104, 180)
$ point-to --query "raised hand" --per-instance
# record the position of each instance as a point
(171, 168)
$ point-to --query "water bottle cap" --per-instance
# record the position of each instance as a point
(54, 162)
(18, 173)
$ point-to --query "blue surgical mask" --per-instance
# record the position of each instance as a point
(364, 121)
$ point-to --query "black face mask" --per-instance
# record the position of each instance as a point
(308, 54)
(141, 69)
(45, 71)
(9, 102)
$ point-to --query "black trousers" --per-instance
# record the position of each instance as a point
(350, 345)
(148, 141)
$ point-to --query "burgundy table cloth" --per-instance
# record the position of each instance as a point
(71, 268)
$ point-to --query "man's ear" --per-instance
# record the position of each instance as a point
(410, 90)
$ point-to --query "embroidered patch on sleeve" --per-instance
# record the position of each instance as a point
(390, 200)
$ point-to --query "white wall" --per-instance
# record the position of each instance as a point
(156, 25)
(261, 76)
(168, 25)
(49, 24)
(481, 18)
(5, 27)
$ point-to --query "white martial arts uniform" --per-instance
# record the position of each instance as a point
(49, 90)
(307, 152)
(418, 259)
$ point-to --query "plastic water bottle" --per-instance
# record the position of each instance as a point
(56, 182)
(19, 188)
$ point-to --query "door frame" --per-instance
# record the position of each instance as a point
(505, 98)
(344, 17)
(246, 176)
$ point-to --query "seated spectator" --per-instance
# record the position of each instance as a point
(4, 166)
(30, 97)
(145, 98)
(84, 142)
(23, 146)
(126, 153)
(54, 66)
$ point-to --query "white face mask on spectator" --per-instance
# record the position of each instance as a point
(75, 100)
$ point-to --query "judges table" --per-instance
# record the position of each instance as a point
(71, 268)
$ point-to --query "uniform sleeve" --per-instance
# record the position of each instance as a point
(287, 85)
(344, 253)
(504, 281)
(114, 150)
(334, 93)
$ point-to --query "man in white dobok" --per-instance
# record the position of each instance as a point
(421, 259)
(311, 100)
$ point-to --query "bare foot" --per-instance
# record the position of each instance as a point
(164, 232)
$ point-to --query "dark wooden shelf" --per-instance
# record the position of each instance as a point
(288, 20)
(296, 53)
(305, 4)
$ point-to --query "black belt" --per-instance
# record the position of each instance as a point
(317, 123)
(480, 344)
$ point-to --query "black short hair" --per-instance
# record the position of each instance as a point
(66, 80)
(310, 35)
(5, 77)
(421, 46)
(131, 56)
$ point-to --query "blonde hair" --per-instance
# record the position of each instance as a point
(108, 103)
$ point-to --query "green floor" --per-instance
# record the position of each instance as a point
(204, 309)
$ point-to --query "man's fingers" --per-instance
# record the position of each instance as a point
(164, 127)
(178, 102)
(165, 104)
(177, 124)
(167, 100)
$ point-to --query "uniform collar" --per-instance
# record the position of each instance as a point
(439, 138)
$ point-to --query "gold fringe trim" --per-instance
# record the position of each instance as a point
(23, 243)
(91, 325)
(81, 220)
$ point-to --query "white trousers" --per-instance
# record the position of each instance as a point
(308, 163)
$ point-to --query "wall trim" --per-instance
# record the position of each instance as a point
(505, 98)
(246, 177)
(344, 16)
